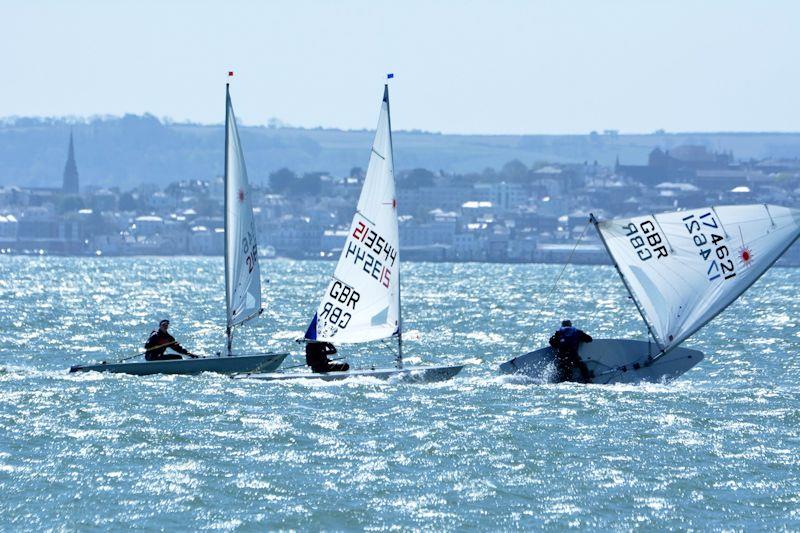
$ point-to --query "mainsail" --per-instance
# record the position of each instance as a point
(242, 275)
(362, 300)
(684, 268)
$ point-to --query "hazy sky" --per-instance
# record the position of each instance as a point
(461, 67)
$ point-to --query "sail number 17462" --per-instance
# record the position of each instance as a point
(717, 256)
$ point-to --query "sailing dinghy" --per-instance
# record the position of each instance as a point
(362, 300)
(242, 278)
(681, 270)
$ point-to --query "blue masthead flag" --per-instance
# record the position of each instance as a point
(389, 76)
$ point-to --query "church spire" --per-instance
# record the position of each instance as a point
(70, 185)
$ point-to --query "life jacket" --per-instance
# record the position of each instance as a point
(157, 338)
(568, 339)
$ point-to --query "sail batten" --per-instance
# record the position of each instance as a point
(242, 271)
(683, 268)
(362, 300)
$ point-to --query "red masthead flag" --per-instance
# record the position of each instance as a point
(230, 73)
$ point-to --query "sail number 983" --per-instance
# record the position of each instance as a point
(250, 249)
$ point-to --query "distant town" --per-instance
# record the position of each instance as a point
(522, 212)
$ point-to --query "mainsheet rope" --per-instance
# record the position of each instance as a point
(560, 274)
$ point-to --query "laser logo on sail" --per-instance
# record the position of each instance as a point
(745, 256)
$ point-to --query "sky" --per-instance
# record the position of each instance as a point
(493, 67)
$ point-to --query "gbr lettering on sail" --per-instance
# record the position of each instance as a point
(646, 240)
(707, 240)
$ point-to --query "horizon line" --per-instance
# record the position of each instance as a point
(72, 120)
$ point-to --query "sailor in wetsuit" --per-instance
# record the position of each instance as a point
(317, 357)
(565, 343)
(158, 343)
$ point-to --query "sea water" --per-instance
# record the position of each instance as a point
(717, 448)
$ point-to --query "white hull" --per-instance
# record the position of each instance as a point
(611, 361)
(422, 374)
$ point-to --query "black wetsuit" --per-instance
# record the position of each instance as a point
(565, 343)
(157, 345)
(317, 357)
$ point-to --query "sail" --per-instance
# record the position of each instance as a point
(684, 268)
(362, 300)
(242, 275)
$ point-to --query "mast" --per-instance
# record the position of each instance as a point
(376, 213)
(596, 223)
(228, 328)
(399, 360)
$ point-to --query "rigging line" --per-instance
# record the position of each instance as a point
(738, 221)
(333, 276)
(247, 354)
(770, 215)
(756, 239)
(167, 345)
(671, 249)
(622, 277)
(257, 369)
(719, 221)
(742, 221)
(558, 278)
(249, 318)
(362, 215)
(290, 367)
(387, 342)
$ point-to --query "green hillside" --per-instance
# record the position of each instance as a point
(126, 151)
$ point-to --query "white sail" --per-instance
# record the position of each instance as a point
(242, 274)
(684, 268)
(362, 300)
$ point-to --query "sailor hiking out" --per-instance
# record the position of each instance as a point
(242, 284)
(158, 343)
(565, 343)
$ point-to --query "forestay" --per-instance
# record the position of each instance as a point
(362, 300)
(683, 268)
(242, 274)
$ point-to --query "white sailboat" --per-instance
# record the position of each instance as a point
(681, 270)
(362, 300)
(242, 277)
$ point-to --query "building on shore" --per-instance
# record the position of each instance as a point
(70, 183)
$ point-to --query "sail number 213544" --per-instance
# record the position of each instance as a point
(717, 256)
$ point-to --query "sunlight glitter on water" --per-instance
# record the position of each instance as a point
(715, 449)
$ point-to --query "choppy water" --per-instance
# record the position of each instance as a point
(715, 449)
